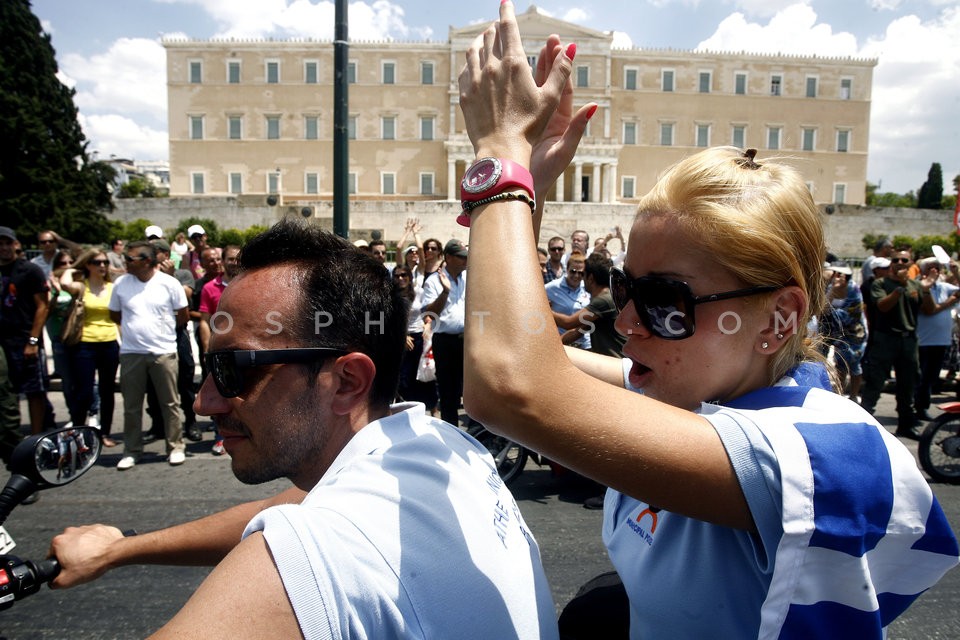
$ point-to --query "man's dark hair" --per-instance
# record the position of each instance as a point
(353, 293)
(599, 267)
(555, 239)
(148, 249)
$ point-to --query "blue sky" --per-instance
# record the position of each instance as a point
(110, 51)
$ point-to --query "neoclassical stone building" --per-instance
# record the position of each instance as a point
(256, 117)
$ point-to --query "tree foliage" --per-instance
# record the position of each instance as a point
(139, 187)
(931, 193)
(46, 178)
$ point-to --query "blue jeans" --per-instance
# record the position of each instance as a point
(92, 360)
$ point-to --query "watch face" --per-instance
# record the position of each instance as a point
(482, 175)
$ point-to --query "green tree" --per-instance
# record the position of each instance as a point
(139, 187)
(931, 193)
(46, 178)
(213, 231)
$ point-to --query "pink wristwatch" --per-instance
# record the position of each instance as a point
(489, 177)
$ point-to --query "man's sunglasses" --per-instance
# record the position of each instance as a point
(666, 307)
(136, 258)
(899, 260)
(226, 366)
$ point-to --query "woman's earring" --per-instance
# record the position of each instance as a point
(779, 336)
(764, 345)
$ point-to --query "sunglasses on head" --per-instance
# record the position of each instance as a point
(226, 367)
(666, 307)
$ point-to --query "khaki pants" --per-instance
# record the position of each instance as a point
(161, 370)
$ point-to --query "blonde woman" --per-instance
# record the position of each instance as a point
(97, 355)
(747, 498)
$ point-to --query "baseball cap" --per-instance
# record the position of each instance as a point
(7, 232)
(161, 245)
(153, 231)
(455, 247)
(360, 243)
(841, 267)
(881, 263)
(195, 230)
(412, 247)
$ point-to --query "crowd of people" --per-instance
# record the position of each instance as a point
(900, 317)
(712, 416)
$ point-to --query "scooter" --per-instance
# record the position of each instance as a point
(939, 446)
(510, 457)
(43, 461)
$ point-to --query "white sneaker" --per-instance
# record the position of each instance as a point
(126, 462)
(93, 421)
(176, 457)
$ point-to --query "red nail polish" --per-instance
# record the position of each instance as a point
(571, 50)
(592, 111)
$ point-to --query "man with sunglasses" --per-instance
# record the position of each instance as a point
(567, 295)
(407, 530)
(555, 248)
(149, 306)
(897, 302)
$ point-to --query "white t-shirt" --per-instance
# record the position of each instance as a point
(410, 534)
(148, 311)
(452, 315)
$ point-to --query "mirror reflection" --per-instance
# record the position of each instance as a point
(66, 454)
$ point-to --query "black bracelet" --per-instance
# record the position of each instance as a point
(469, 205)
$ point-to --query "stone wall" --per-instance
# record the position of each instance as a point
(844, 225)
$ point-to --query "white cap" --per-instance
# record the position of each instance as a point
(153, 230)
(195, 230)
(360, 243)
(881, 263)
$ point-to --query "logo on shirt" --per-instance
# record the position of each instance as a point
(645, 524)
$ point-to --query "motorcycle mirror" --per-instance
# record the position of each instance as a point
(47, 460)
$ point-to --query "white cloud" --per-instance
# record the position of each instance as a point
(622, 40)
(792, 30)
(120, 136)
(763, 8)
(129, 77)
(576, 16)
(884, 5)
(916, 98)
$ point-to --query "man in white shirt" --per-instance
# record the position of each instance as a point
(148, 305)
(444, 297)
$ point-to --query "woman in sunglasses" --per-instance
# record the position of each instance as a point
(747, 499)
(97, 355)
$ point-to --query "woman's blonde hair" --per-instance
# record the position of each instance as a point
(758, 221)
(81, 263)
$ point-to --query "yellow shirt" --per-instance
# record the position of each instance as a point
(97, 325)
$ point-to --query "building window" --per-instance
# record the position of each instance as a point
(273, 127)
(840, 193)
(236, 183)
(666, 134)
(843, 141)
(809, 139)
(426, 72)
(311, 127)
(388, 128)
(196, 72)
(630, 76)
(740, 83)
(426, 127)
(775, 81)
(629, 133)
(666, 80)
(706, 78)
(703, 135)
(388, 72)
(628, 187)
(311, 183)
(426, 184)
(388, 183)
(235, 127)
(532, 61)
(773, 137)
(351, 72)
(273, 182)
(811, 86)
(273, 71)
(351, 183)
(196, 127)
(583, 75)
(233, 72)
(739, 138)
(352, 128)
(196, 183)
(846, 88)
(311, 72)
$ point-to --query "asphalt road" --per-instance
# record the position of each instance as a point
(131, 602)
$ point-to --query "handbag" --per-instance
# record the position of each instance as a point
(72, 330)
(427, 368)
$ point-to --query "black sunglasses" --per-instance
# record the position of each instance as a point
(136, 258)
(99, 263)
(666, 307)
(899, 260)
(226, 366)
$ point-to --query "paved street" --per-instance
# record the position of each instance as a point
(131, 602)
